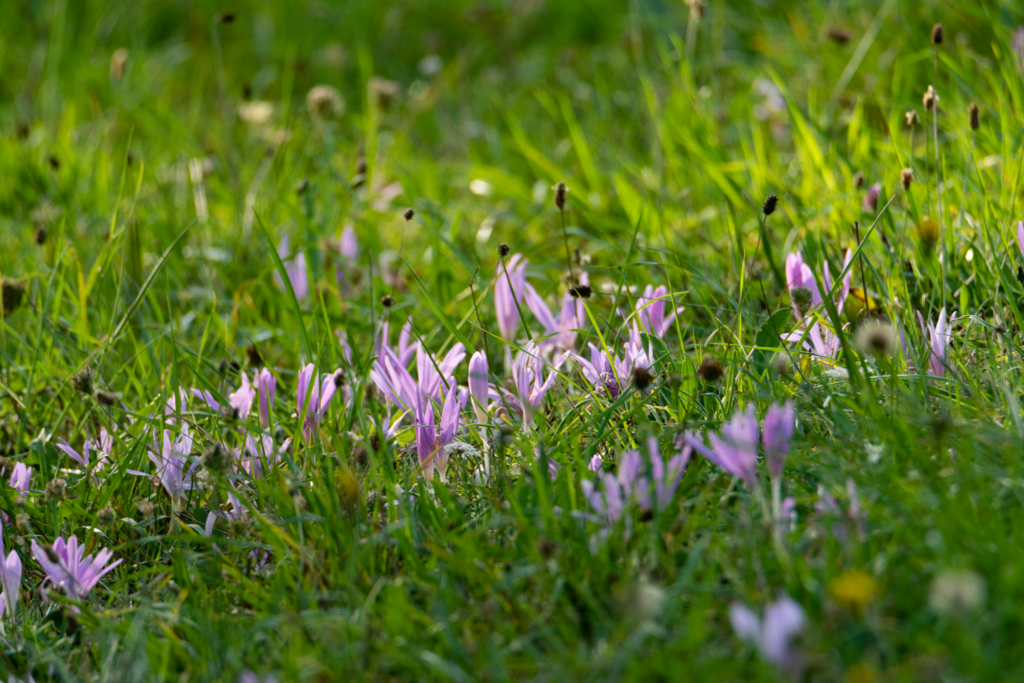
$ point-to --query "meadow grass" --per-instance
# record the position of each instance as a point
(182, 206)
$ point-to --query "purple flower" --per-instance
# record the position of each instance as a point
(237, 512)
(938, 342)
(560, 331)
(105, 446)
(177, 402)
(612, 375)
(595, 463)
(631, 481)
(529, 383)
(295, 266)
(207, 398)
(241, 400)
(1020, 236)
(799, 274)
(393, 380)
(431, 440)
(10, 578)
(870, 202)
(509, 289)
(68, 567)
(260, 454)
(1018, 45)
(170, 463)
(479, 387)
(779, 422)
(313, 399)
(348, 244)
(735, 450)
(405, 348)
(427, 367)
(816, 338)
(266, 385)
(772, 636)
(650, 309)
(21, 478)
(250, 677)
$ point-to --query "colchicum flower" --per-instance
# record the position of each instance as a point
(69, 568)
(650, 309)
(779, 422)
(479, 386)
(298, 273)
(1020, 236)
(312, 399)
(612, 375)
(772, 636)
(735, 450)
(241, 400)
(10, 578)
(650, 489)
(170, 463)
(938, 342)
(266, 385)
(816, 338)
(21, 478)
(560, 331)
(509, 290)
(529, 383)
(431, 440)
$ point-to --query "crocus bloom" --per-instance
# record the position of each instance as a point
(259, 454)
(509, 290)
(561, 330)
(266, 385)
(595, 464)
(650, 309)
(348, 247)
(631, 482)
(1020, 236)
(313, 399)
(241, 400)
(611, 374)
(427, 367)
(10, 578)
(818, 339)
(479, 387)
(207, 398)
(735, 450)
(529, 383)
(21, 477)
(938, 342)
(773, 635)
(295, 266)
(68, 567)
(406, 348)
(779, 422)
(105, 446)
(432, 441)
(237, 512)
(393, 380)
(170, 463)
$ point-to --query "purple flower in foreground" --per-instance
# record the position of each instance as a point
(632, 481)
(735, 450)
(393, 380)
(406, 348)
(266, 385)
(595, 463)
(298, 274)
(650, 309)
(313, 399)
(170, 463)
(779, 423)
(427, 367)
(260, 454)
(21, 478)
(938, 342)
(241, 400)
(104, 445)
(1020, 236)
(68, 567)
(509, 290)
(432, 441)
(10, 578)
(783, 620)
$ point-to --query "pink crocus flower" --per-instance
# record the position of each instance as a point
(104, 445)
(10, 579)
(431, 441)
(170, 464)
(560, 330)
(348, 247)
(509, 290)
(266, 386)
(21, 478)
(632, 482)
(406, 348)
(295, 266)
(818, 339)
(241, 399)
(772, 636)
(614, 375)
(69, 568)
(650, 309)
(779, 423)
(313, 398)
(938, 337)
(1020, 236)
(529, 383)
(870, 201)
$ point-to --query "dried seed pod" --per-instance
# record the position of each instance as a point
(503, 250)
(770, 202)
(906, 178)
(561, 194)
(710, 370)
(974, 116)
(937, 34)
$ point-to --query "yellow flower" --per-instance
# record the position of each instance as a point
(854, 588)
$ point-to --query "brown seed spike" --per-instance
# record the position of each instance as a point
(770, 202)
(561, 194)
(975, 115)
(710, 370)
(387, 301)
(503, 250)
(937, 34)
(409, 213)
(906, 178)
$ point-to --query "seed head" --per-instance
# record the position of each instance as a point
(56, 490)
(930, 98)
(217, 458)
(54, 162)
(928, 233)
(503, 250)
(839, 35)
(641, 378)
(40, 235)
(770, 202)
(906, 178)
(106, 516)
(561, 194)
(387, 301)
(802, 298)
(13, 295)
(783, 365)
(710, 370)
(581, 291)
(338, 378)
(302, 186)
(875, 337)
(81, 381)
(975, 114)
(226, 18)
(912, 118)
(23, 523)
(937, 34)
(858, 180)
(409, 213)
(146, 508)
(324, 101)
(1020, 274)
(253, 354)
(105, 398)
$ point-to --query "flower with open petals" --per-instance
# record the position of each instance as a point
(21, 478)
(735, 449)
(69, 568)
(313, 399)
(431, 440)
(560, 330)
(650, 309)
(295, 267)
(772, 636)
(170, 463)
(241, 400)
(938, 336)
(651, 484)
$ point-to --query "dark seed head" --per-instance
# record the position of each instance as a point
(906, 178)
(23, 523)
(217, 458)
(929, 98)
(56, 490)
(253, 354)
(13, 295)
(40, 235)
(1020, 274)
(769, 205)
(858, 180)
(710, 370)
(839, 35)
(338, 378)
(54, 162)
(801, 298)
(503, 250)
(975, 114)
(81, 381)
(937, 34)
(51, 554)
(641, 378)
(105, 398)
(561, 194)
(387, 301)
(226, 17)
(106, 516)
(409, 213)
(361, 165)
(581, 291)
